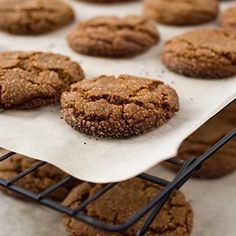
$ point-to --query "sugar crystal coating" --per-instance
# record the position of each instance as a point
(113, 36)
(33, 79)
(118, 107)
(34, 16)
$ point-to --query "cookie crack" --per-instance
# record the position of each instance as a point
(39, 96)
(40, 9)
(122, 102)
(118, 100)
(226, 55)
(112, 100)
(111, 43)
(115, 28)
(22, 64)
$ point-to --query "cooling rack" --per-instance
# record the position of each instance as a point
(151, 209)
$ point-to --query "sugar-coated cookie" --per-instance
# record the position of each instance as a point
(181, 12)
(34, 16)
(118, 107)
(110, 36)
(123, 200)
(33, 79)
(202, 53)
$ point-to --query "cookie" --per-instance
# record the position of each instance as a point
(202, 53)
(37, 181)
(34, 16)
(224, 161)
(228, 19)
(30, 80)
(181, 12)
(109, 36)
(118, 107)
(106, 1)
(123, 200)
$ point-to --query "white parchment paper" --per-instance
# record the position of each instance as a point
(43, 135)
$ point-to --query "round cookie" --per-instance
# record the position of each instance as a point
(30, 80)
(37, 181)
(181, 12)
(106, 1)
(34, 16)
(123, 200)
(203, 53)
(228, 19)
(224, 161)
(109, 36)
(118, 107)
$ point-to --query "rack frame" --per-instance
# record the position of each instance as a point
(151, 209)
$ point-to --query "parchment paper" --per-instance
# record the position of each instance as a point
(43, 135)
(213, 202)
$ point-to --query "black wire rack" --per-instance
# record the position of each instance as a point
(151, 209)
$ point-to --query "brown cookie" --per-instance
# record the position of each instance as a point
(123, 200)
(224, 161)
(228, 19)
(30, 80)
(118, 107)
(181, 12)
(37, 181)
(203, 53)
(106, 1)
(109, 36)
(34, 16)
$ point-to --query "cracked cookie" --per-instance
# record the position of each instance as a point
(203, 53)
(118, 107)
(181, 12)
(228, 19)
(106, 1)
(224, 161)
(34, 16)
(34, 79)
(109, 36)
(37, 181)
(120, 202)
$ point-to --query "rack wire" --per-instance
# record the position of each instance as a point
(151, 209)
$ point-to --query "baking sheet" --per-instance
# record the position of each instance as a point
(213, 202)
(43, 135)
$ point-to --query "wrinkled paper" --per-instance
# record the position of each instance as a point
(43, 135)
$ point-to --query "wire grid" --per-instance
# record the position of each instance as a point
(151, 209)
